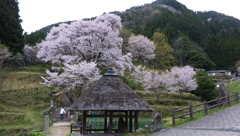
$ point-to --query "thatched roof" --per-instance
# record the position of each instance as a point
(110, 93)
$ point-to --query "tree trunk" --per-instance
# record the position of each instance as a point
(181, 94)
(158, 98)
(70, 97)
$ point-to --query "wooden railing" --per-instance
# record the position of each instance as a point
(207, 105)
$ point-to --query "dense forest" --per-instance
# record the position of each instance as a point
(208, 40)
(10, 27)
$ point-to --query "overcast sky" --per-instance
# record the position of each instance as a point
(37, 14)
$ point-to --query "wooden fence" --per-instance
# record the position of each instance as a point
(203, 107)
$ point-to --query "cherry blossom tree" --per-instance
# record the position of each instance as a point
(78, 50)
(75, 78)
(141, 47)
(30, 55)
(153, 80)
(96, 40)
(183, 79)
(177, 79)
(4, 54)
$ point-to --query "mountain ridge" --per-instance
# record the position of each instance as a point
(217, 34)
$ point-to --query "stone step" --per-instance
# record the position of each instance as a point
(61, 124)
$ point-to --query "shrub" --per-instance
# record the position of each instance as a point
(131, 83)
(206, 88)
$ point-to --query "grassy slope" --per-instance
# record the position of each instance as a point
(22, 100)
(168, 101)
(234, 86)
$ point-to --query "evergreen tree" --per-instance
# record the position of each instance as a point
(206, 88)
(34, 37)
(164, 52)
(10, 27)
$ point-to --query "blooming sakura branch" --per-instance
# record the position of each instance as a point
(177, 79)
(78, 50)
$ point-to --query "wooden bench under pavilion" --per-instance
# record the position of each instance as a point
(110, 98)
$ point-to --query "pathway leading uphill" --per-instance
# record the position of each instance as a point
(222, 123)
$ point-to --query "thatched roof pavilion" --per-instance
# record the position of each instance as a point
(111, 95)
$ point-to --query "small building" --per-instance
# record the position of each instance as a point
(110, 99)
(219, 73)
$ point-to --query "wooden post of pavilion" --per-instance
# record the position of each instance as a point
(84, 123)
(130, 121)
(110, 122)
(135, 121)
(105, 122)
(126, 119)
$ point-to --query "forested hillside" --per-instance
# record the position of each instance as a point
(10, 27)
(208, 40)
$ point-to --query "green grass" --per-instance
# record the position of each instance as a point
(165, 95)
(22, 100)
(234, 86)
(143, 132)
(171, 102)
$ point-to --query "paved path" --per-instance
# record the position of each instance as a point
(222, 123)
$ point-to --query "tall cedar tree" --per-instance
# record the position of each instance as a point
(10, 27)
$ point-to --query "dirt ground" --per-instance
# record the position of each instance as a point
(59, 131)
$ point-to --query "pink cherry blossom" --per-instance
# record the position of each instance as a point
(141, 47)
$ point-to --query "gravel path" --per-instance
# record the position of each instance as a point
(222, 123)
